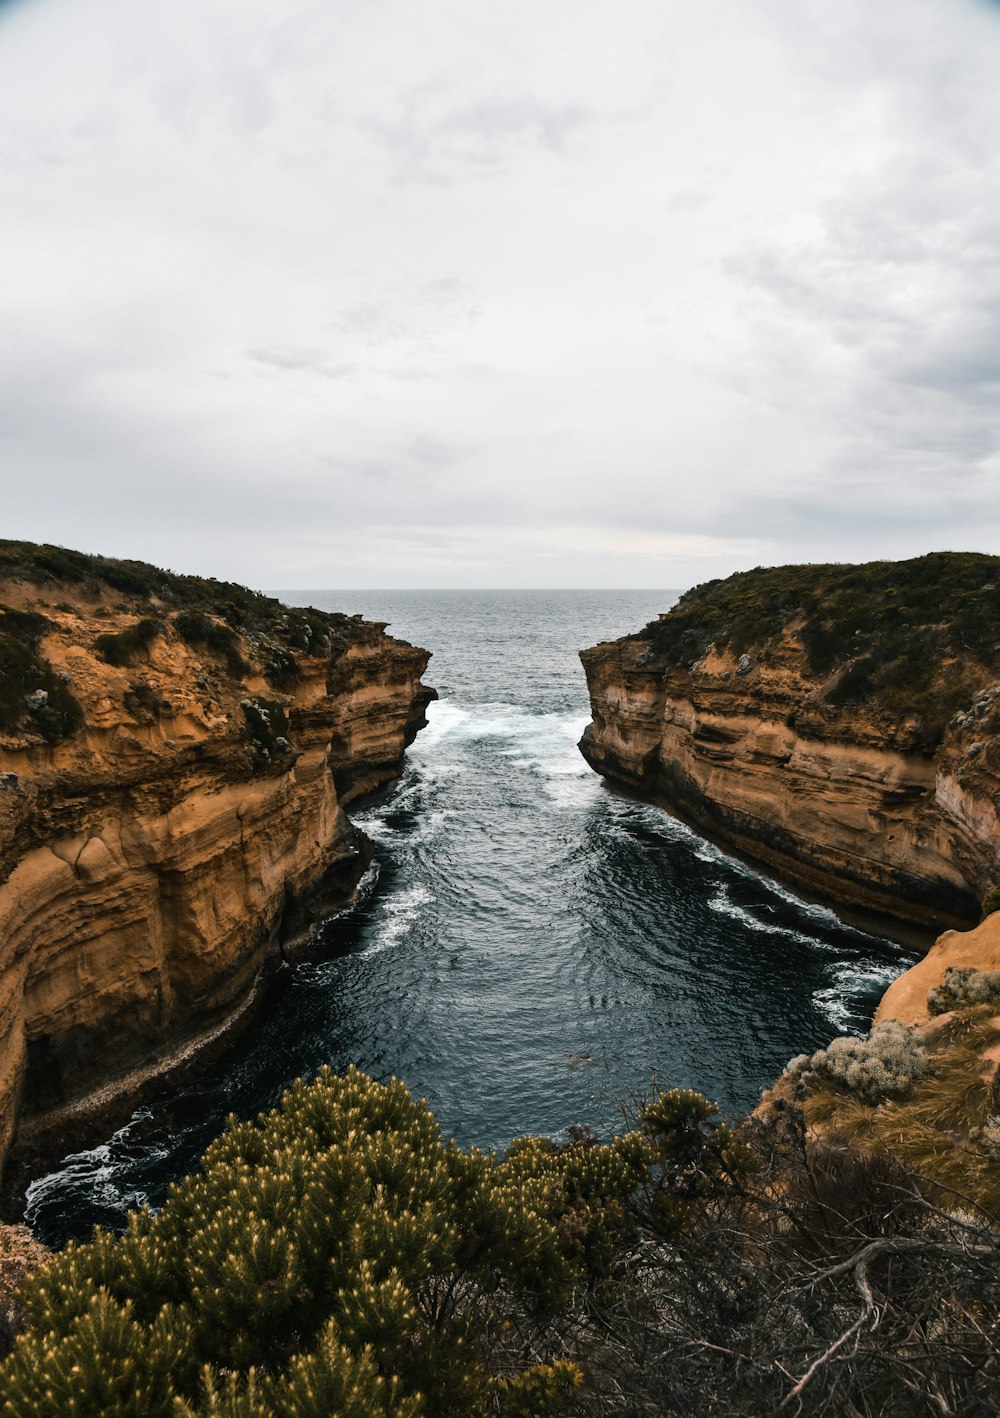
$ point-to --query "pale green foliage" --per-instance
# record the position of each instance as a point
(961, 989)
(884, 1065)
(338, 1258)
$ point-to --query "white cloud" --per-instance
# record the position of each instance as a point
(455, 294)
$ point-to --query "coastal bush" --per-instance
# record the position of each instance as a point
(143, 702)
(30, 690)
(267, 726)
(280, 666)
(884, 1065)
(990, 901)
(335, 1257)
(120, 649)
(940, 1127)
(826, 1285)
(196, 628)
(961, 989)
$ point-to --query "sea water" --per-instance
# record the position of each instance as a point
(536, 947)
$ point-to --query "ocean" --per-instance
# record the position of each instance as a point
(536, 948)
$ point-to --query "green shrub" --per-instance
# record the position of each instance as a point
(990, 901)
(962, 989)
(267, 726)
(196, 628)
(280, 666)
(122, 648)
(245, 612)
(335, 1258)
(30, 690)
(143, 702)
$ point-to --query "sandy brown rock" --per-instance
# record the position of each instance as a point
(843, 802)
(152, 862)
(20, 1255)
(978, 949)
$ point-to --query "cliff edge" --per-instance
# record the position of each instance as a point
(175, 757)
(835, 724)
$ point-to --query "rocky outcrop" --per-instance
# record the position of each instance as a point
(20, 1256)
(852, 797)
(906, 999)
(181, 823)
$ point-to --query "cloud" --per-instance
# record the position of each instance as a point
(311, 360)
(510, 296)
(444, 142)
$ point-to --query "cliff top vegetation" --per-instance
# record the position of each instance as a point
(339, 1257)
(246, 611)
(917, 637)
(247, 630)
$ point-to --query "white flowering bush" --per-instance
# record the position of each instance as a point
(961, 989)
(885, 1065)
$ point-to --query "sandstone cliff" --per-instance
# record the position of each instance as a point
(837, 725)
(175, 756)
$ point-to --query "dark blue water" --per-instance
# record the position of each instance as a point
(536, 947)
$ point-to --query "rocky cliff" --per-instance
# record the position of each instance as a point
(175, 756)
(837, 725)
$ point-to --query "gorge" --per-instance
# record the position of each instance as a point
(537, 944)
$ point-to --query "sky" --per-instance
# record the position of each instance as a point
(377, 293)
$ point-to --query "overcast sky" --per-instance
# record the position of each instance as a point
(525, 293)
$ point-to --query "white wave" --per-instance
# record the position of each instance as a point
(93, 1171)
(571, 791)
(400, 912)
(445, 719)
(660, 821)
(543, 744)
(719, 901)
(548, 744)
(840, 1001)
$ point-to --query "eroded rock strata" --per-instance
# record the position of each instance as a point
(837, 725)
(175, 757)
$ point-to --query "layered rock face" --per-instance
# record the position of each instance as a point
(184, 824)
(853, 797)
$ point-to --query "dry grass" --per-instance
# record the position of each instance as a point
(937, 1130)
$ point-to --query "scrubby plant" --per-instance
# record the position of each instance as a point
(246, 611)
(267, 727)
(885, 1064)
(990, 901)
(335, 1257)
(196, 628)
(280, 665)
(120, 649)
(31, 692)
(961, 989)
(143, 702)
(696, 1155)
(917, 638)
